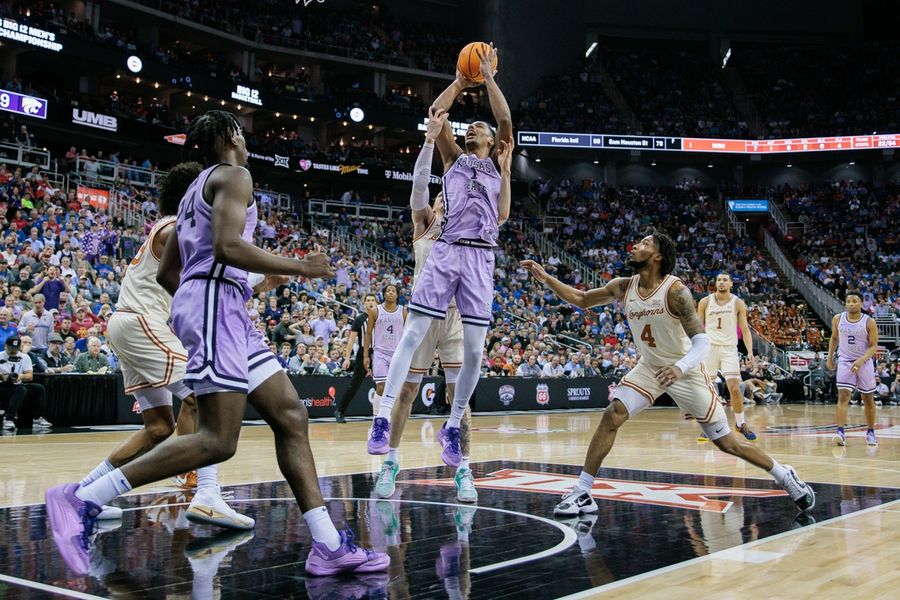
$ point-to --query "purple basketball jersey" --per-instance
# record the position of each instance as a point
(471, 198)
(854, 338)
(195, 237)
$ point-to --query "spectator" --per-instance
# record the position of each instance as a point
(6, 327)
(553, 370)
(92, 361)
(50, 286)
(16, 372)
(57, 361)
(37, 323)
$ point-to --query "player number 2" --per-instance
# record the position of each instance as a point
(647, 336)
(851, 339)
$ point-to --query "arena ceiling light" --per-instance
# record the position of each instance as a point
(134, 64)
(357, 115)
(590, 49)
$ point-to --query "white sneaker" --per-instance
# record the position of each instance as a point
(9, 424)
(208, 507)
(575, 503)
(41, 423)
(799, 491)
(109, 513)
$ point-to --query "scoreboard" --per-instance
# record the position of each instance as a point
(604, 141)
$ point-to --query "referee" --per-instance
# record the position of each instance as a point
(357, 332)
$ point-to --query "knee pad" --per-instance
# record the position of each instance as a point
(180, 390)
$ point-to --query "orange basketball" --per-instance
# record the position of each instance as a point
(469, 60)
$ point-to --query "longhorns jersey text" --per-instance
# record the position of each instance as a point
(140, 293)
(721, 321)
(658, 334)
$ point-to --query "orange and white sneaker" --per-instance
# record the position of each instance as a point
(186, 481)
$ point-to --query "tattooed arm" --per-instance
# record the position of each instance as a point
(681, 304)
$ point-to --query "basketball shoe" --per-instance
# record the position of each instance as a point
(448, 437)
(72, 521)
(378, 437)
(799, 491)
(576, 502)
(839, 438)
(871, 440)
(347, 558)
(186, 481)
(465, 486)
(209, 507)
(744, 430)
(386, 485)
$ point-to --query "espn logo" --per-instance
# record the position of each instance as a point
(95, 120)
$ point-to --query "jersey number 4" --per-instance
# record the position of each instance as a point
(647, 336)
(390, 329)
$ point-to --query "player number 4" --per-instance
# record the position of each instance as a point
(647, 336)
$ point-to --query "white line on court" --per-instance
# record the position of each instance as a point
(715, 555)
(51, 589)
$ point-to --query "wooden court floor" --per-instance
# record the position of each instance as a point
(853, 553)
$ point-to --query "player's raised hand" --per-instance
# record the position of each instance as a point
(504, 156)
(317, 265)
(270, 282)
(668, 375)
(464, 82)
(537, 271)
(486, 66)
(436, 119)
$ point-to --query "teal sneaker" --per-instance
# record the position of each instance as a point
(465, 486)
(387, 479)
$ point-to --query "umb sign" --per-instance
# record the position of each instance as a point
(95, 120)
(23, 105)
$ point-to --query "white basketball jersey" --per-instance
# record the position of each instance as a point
(658, 335)
(721, 321)
(422, 246)
(388, 329)
(140, 293)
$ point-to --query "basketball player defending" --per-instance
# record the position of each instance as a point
(153, 362)
(721, 314)
(461, 263)
(383, 334)
(855, 336)
(205, 264)
(672, 345)
(445, 337)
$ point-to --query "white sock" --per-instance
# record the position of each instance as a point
(321, 527)
(98, 472)
(585, 482)
(208, 479)
(378, 407)
(104, 489)
(393, 455)
(469, 372)
(463, 463)
(738, 419)
(778, 472)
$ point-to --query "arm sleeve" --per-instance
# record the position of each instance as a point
(699, 350)
(418, 198)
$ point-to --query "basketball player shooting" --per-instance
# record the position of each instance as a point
(461, 263)
(672, 345)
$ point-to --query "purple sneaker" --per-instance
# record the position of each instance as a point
(449, 440)
(72, 521)
(348, 558)
(378, 438)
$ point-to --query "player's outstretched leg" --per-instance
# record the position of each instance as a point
(449, 434)
(387, 478)
(800, 492)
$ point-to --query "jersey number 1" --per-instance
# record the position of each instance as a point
(647, 336)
